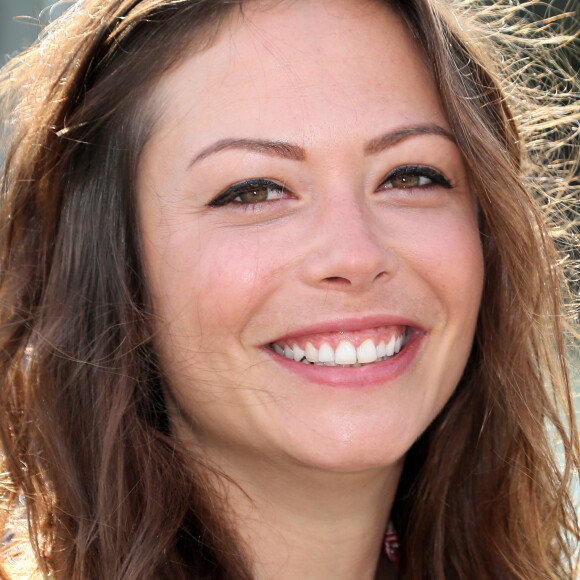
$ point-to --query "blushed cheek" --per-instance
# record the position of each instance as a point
(467, 259)
(449, 255)
(234, 278)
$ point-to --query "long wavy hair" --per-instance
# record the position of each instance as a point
(108, 492)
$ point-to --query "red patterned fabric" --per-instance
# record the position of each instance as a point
(391, 545)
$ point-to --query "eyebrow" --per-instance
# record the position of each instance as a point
(272, 148)
(286, 150)
(387, 140)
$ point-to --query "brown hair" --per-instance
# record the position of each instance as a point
(83, 425)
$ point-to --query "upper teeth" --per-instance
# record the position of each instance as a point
(344, 354)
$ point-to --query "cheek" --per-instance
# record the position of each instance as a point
(449, 253)
(208, 283)
(236, 275)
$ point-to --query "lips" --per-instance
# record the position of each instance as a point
(342, 345)
(345, 348)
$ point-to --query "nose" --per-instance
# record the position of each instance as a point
(349, 252)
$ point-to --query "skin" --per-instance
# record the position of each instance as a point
(318, 464)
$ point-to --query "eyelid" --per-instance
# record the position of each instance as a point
(431, 173)
(230, 193)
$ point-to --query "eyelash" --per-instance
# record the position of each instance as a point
(420, 171)
(404, 172)
(246, 187)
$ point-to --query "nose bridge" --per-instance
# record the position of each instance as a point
(349, 250)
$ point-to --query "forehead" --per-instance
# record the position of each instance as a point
(290, 70)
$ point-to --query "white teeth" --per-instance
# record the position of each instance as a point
(311, 353)
(345, 353)
(325, 353)
(298, 353)
(382, 349)
(398, 344)
(367, 352)
(391, 346)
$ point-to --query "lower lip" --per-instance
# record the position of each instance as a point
(369, 375)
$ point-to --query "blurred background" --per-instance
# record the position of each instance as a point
(20, 23)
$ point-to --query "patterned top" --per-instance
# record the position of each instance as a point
(391, 545)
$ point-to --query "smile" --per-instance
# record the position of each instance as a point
(346, 350)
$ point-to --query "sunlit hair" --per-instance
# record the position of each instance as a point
(109, 491)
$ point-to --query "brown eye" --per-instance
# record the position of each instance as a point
(414, 176)
(256, 195)
(252, 191)
(407, 180)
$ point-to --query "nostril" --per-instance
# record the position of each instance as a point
(338, 280)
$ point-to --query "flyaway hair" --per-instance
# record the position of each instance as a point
(108, 491)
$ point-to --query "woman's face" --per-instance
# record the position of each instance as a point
(302, 197)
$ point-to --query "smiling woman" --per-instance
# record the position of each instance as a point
(281, 297)
(314, 227)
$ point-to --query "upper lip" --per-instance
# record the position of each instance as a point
(350, 324)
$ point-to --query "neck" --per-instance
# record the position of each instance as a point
(304, 523)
